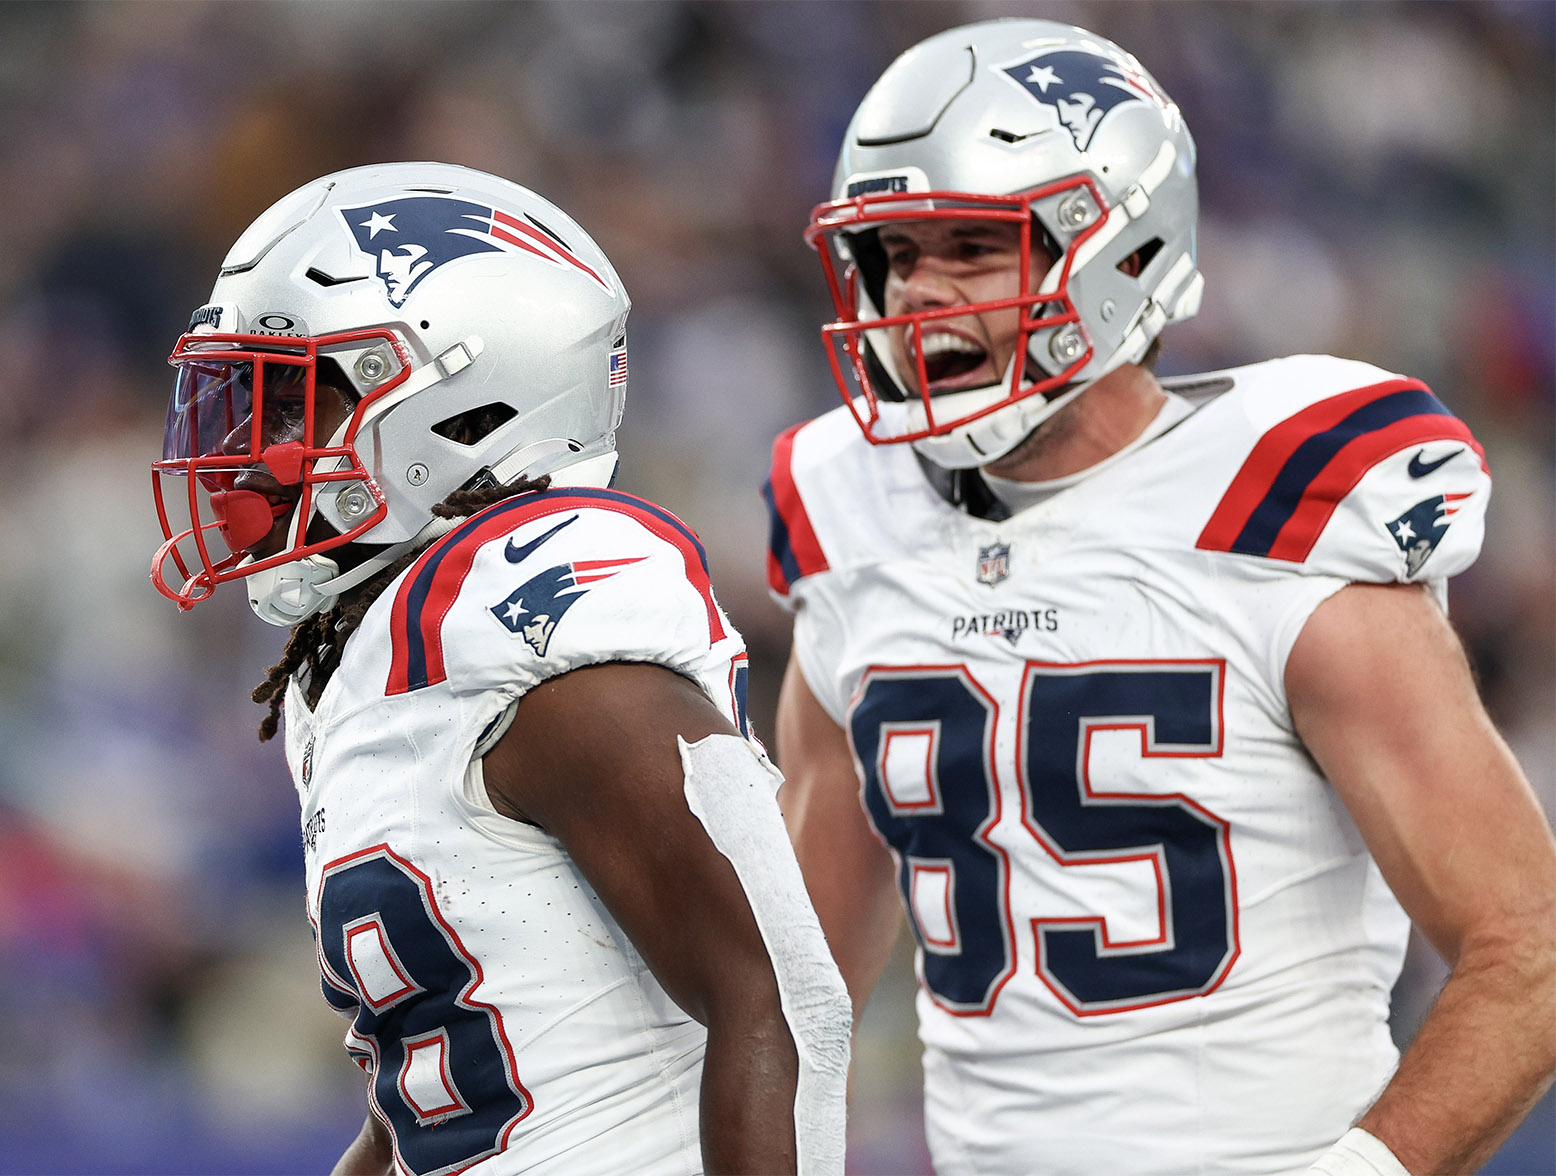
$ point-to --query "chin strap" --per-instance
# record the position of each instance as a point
(293, 592)
(558, 460)
(373, 564)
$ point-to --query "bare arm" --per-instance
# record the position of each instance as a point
(1383, 698)
(370, 1153)
(849, 873)
(610, 788)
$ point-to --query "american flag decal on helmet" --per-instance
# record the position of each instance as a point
(618, 369)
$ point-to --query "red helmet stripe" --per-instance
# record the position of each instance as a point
(555, 247)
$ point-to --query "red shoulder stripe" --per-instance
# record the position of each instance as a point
(428, 590)
(1298, 472)
(1307, 522)
(793, 551)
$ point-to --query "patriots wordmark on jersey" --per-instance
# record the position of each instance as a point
(1150, 937)
(494, 1003)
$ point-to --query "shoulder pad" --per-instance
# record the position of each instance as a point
(502, 582)
(1365, 483)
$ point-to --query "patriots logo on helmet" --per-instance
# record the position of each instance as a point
(1082, 88)
(410, 236)
(534, 609)
(1420, 529)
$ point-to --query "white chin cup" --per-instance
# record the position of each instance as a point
(987, 438)
(289, 592)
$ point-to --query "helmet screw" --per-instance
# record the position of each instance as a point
(1106, 310)
(354, 503)
(1066, 344)
(416, 475)
(1077, 212)
(371, 367)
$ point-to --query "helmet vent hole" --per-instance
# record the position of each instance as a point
(1135, 263)
(425, 324)
(474, 425)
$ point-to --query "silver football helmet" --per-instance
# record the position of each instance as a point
(1029, 122)
(476, 331)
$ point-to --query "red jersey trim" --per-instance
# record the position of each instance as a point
(1301, 470)
(793, 551)
(429, 589)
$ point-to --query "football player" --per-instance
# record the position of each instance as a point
(548, 881)
(1137, 695)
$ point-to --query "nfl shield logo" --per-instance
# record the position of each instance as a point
(993, 564)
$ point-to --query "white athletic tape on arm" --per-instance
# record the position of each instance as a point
(1358, 1154)
(731, 792)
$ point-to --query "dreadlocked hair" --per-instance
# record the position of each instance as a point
(313, 650)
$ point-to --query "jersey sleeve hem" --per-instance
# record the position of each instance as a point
(793, 551)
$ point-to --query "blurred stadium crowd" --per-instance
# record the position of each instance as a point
(1377, 182)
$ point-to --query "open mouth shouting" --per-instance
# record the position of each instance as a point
(953, 360)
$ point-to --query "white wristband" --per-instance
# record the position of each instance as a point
(1358, 1154)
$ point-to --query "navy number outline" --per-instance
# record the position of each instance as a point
(1177, 707)
(961, 972)
(377, 892)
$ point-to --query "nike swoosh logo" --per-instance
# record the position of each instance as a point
(1419, 468)
(519, 552)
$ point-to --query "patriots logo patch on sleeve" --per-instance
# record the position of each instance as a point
(535, 608)
(1420, 529)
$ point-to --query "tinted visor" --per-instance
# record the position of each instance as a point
(212, 410)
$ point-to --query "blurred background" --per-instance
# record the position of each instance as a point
(1377, 182)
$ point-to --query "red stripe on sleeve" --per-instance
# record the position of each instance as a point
(803, 544)
(696, 573)
(1263, 465)
(455, 561)
(1337, 479)
(776, 580)
(452, 569)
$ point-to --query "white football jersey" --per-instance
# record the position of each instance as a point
(1150, 938)
(504, 1020)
